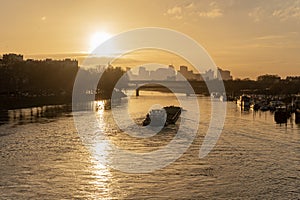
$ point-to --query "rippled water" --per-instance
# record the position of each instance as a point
(254, 158)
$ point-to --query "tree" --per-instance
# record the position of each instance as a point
(268, 78)
(110, 77)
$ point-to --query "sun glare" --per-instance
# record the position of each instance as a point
(98, 38)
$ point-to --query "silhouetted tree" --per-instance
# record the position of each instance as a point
(109, 78)
(268, 78)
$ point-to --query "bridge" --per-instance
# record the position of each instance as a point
(187, 87)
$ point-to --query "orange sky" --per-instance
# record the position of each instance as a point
(247, 37)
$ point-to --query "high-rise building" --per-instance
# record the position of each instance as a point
(143, 74)
(185, 73)
(209, 75)
(223, 75)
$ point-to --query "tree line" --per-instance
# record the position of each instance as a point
(56, 78)
(264, 85)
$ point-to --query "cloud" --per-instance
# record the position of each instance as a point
(175, 12)
(257, 14)
(289, 12)
(282, 10)
(270, 37)
(190, 6)
(215, 12)
(197, 8)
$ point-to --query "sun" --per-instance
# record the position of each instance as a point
(98, 38)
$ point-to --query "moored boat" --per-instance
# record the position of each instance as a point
(264, 108)
(281, 115)
(244, 102)
(297, 116)
(297, 109)
(255, 106)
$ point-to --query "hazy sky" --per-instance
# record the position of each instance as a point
(248, 37)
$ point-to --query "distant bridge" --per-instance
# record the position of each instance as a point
(187, 87)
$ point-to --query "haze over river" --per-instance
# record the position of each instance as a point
(254, 158)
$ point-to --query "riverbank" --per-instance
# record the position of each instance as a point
(18, 102)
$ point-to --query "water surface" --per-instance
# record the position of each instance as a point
(254, 158)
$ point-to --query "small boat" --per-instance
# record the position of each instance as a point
(297, 109)
(274, 104)
(297, 116)
(223, 98)
(281, 115)
(215, 95)
(264, 108)
(244, 102)
(163, 117)
(255, 106)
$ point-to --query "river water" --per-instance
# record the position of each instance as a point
(46, 158)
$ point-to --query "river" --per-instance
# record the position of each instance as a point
(46, 158)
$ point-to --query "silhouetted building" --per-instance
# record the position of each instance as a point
(198, 77)
(182, 74)
(209, 75)
(224, 75)
(187, 74)
(36, 77)
(163, 74)
(143, 74)
(158, 74)
(130, 75)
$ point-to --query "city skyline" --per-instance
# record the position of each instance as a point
(159, 72)
(149, 71)
(248, 38)
(152, 71)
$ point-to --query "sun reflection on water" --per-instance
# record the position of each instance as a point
(101, 178)
(100, 106)
(100, 149)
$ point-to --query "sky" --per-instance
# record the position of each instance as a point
(249, 38)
